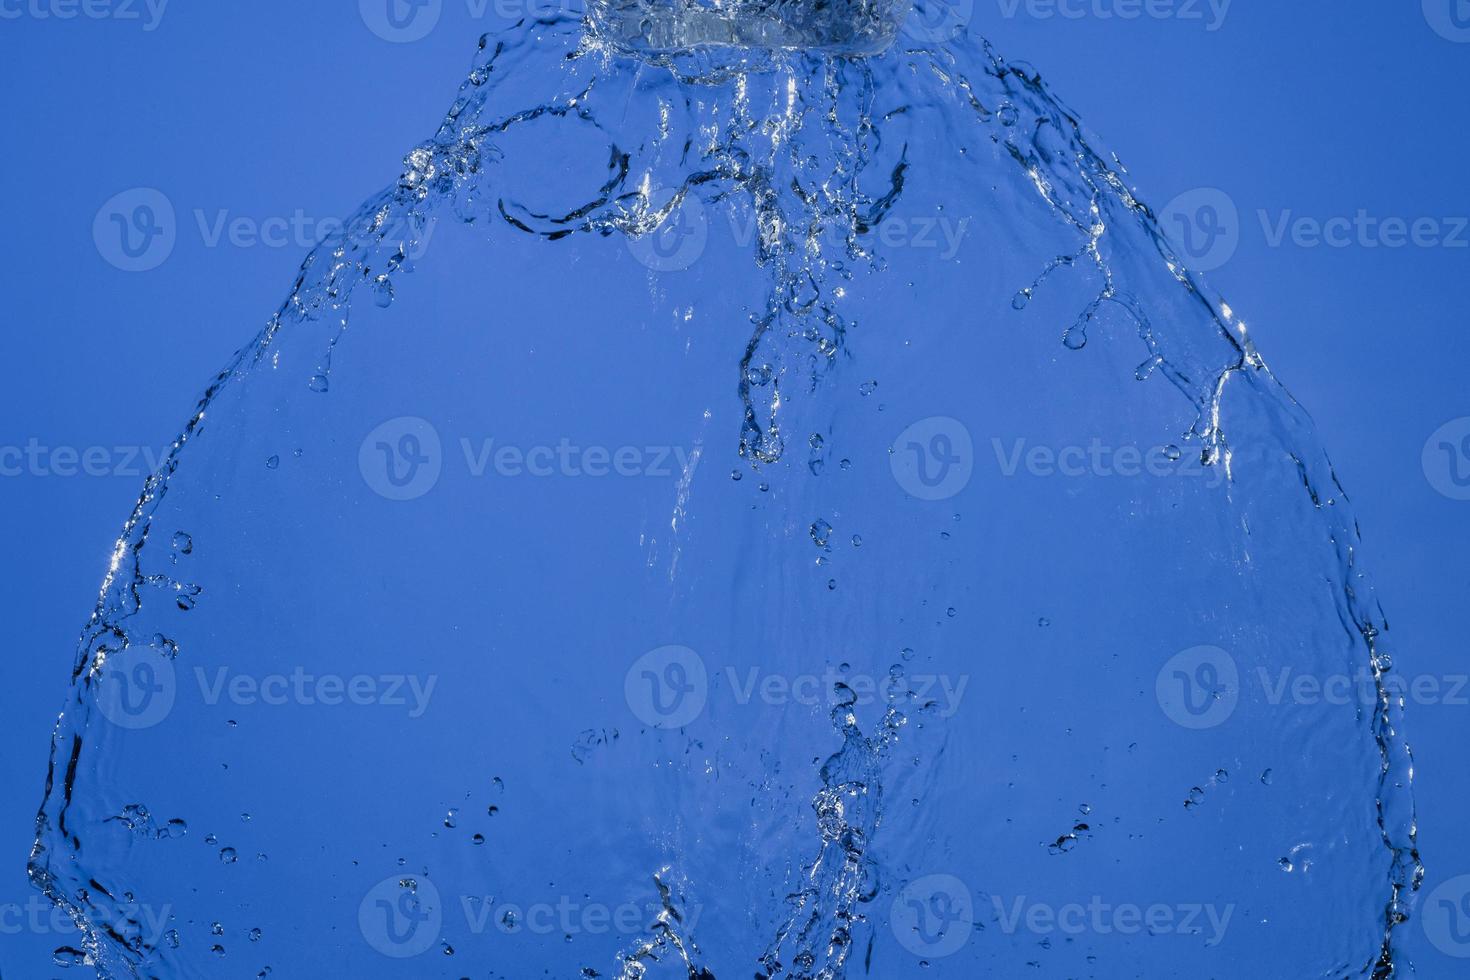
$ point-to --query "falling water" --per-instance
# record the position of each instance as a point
(824, 270)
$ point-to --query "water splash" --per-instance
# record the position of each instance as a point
(814, 152)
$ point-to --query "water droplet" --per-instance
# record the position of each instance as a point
(383, 291)
(67, 957)
(820, 531)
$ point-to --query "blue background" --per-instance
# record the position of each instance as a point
(264, 109)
